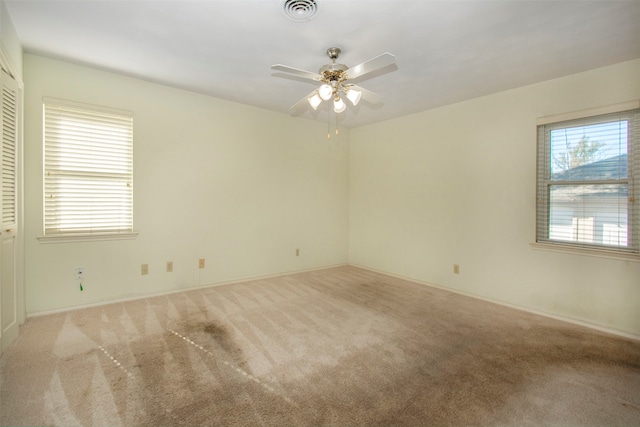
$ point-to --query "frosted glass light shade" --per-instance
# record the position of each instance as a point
(338, 105)
(354, 96)
(325, 92)
(314, 101)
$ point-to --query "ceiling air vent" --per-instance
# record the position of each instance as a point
(300, 10)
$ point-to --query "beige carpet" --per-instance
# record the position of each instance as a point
(341, 347)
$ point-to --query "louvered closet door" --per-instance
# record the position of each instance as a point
(8, 286)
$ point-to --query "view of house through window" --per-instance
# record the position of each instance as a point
(594, 211)
(585, 182)
(88, 169)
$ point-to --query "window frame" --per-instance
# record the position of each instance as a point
(542, 225)
(93, 113)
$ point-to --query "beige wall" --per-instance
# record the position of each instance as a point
(410, 196)
(239, 186)
(457, 185)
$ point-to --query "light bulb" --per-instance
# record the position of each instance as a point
(354, 96)
(325, 92)
(338, 105)
(314, 100)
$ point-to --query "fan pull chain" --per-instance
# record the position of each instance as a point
(329, 121)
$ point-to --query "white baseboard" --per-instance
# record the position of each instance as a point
(175, 291)
(579, 322)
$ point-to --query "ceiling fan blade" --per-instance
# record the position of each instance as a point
(296, 72)
(383, 60)
(367, 95)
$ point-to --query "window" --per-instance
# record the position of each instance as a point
(587, 180)
(88, 170)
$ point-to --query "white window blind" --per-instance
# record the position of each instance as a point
(587, 182)
(88, 169)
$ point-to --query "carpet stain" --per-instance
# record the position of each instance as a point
(215, 329)
(218, 338)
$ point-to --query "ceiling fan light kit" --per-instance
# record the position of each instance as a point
(325, 91)
(354, 96)
(315, 100)
(333, 76)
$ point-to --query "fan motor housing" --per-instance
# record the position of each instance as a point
(331, 72)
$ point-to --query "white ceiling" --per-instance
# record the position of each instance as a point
(446, 51)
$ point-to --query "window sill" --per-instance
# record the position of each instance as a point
(70, 238)
(555, 247)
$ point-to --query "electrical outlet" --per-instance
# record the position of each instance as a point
(144, 269)
(169, 266)
(201, 263)
(79, 273)
(456, 269)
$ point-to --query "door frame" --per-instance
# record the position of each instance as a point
(19, 261)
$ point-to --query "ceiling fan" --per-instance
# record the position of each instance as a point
(336, 80)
